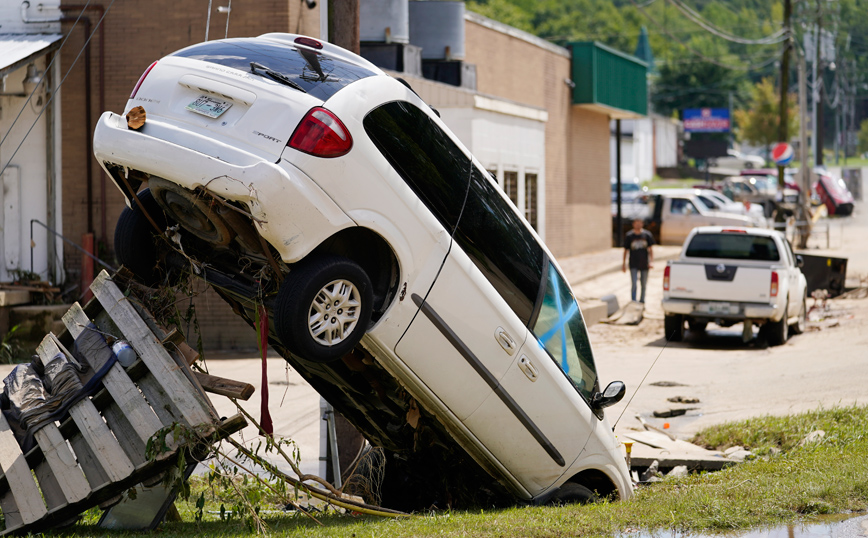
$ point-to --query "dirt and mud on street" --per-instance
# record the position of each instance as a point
(730, 378)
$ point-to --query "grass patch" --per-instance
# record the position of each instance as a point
(788, 484)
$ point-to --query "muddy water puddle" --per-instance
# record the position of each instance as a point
(833, 526)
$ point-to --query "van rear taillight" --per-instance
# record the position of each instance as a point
(773, 290)
(666, 279)
(321, 133)
(142, 79)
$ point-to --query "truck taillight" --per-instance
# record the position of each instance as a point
(321, 133)
(666, 279)
(773, 291)
(142, 79)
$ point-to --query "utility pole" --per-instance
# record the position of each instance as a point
(620, 217)
(804, 179)
(818, 90)
(783, 133)
(343, 24)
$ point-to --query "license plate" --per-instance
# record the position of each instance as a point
(719, 308)
(208, 106)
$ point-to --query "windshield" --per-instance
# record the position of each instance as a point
(707, 202)
(626, 187)
(310, 71)
(560, 330)
(734, 246)
(720, 198)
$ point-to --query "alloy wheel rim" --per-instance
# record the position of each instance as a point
(334, 312)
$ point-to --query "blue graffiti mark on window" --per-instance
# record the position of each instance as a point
(563, 318)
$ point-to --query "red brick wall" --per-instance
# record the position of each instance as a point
(136, 34)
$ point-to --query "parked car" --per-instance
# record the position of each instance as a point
(735, 275)
(770, 178)
(758, 189)
(717, 201)
(670, 215)
(834, 194)
(630, 190)
(736, 160)
(398, 279)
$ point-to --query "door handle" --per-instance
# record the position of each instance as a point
(528, 368)
(505, 341)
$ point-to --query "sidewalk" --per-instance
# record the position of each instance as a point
(584, 267)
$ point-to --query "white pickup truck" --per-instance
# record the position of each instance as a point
(731, 275)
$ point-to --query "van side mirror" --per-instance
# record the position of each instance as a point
(609, 397)
(800, 262)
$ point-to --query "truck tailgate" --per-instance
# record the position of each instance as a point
(719, 281)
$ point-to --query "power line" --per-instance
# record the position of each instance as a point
(773, 39)
(697, 53)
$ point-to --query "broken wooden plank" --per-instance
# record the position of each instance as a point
(160, 400)
(123, 391)
(192, 405)
(96, 475)
(225, 387)
(92, 427)
(104, 495)
(64, 471)
(22, 504)
(99, 437)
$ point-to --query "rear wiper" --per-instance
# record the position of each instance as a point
(274, 75)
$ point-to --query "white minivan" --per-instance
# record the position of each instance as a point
(399, 280)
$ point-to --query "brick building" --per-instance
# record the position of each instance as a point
(515, 106)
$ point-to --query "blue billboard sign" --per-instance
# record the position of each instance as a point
(706, 120)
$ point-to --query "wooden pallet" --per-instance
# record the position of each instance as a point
(96, 451)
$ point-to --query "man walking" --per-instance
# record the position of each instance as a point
(638, 243)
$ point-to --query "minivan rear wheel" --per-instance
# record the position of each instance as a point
(323, 308)
(571, 492)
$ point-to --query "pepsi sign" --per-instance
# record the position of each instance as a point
(782, 154)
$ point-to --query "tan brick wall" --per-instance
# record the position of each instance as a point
(577, 140)
(136, 34)
(589, 191)
(220, 328)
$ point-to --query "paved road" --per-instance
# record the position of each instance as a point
(733, 379)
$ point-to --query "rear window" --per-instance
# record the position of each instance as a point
(735, 246)
(318, 74)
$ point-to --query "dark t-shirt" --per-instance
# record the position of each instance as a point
(637, 244)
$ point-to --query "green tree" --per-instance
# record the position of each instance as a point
(504, 11)
(759, 123)
(686, 81)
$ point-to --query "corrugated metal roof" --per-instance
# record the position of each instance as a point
(17, 50)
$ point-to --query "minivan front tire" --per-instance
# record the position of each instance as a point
(323, 308)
